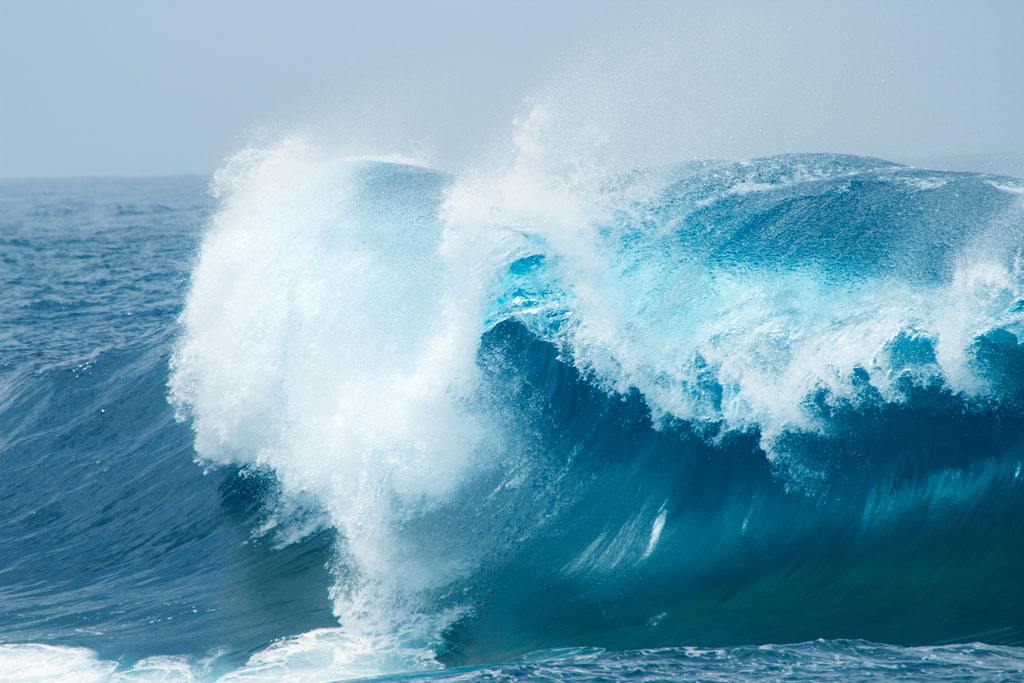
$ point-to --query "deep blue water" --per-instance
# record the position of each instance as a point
(335, 419)
(112, 537)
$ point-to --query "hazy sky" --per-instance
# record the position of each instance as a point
(146, 87)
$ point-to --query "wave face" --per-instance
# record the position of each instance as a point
(449, 420)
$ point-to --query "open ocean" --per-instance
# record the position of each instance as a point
(323, 418)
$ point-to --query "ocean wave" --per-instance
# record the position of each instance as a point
(549, 403)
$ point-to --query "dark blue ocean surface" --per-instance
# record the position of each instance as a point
(335, 419)
(111, 537)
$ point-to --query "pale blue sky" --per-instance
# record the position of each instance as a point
(146, 87)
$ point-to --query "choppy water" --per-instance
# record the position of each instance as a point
(344, 418)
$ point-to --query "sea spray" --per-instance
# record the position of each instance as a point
(327, 338)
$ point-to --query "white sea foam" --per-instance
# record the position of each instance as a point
(317, 656)
(640, 312)
(340, 352)
(1009, 187)
(34, 663)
